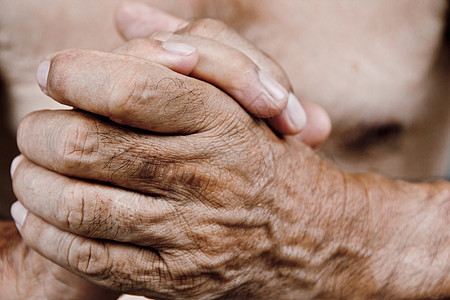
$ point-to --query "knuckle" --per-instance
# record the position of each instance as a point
(72, 211)
(182, 98)
(209, 27)
(183, 283)
(89, 257)
(85, 212)
(216, 29)
(129, 100)
(169, 272)
(79, 141)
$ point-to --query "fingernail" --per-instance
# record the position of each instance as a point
(182, 25)
(275, 90)
(14, 164)
(19, 214)
(296, 113)
(42, 74)
(178, 48)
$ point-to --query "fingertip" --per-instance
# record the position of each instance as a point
(292, 120)
(318, 127)
(19, 214)
(16, 161)
(42, 74)
(296, 114)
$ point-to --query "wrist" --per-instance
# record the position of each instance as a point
(406, 238)
(323, 243)
(365, 236)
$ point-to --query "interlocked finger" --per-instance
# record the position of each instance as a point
(98, 211)
(80, 145)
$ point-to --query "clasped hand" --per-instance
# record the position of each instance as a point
(159, 183)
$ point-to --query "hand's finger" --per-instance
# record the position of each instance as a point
(79, 145)
(316, 130)
(319, 125)
(151, 20)
(134, 92)
(179, 57)
(104, 263)
(138, 20)
(230, 70)
(97, 211)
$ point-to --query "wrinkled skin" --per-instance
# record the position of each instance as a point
(361, 93)
(364, 75)
(214, 203)
(142, 47)
(394, 167)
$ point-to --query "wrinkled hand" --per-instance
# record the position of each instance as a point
(204, 201)
(174, 53)
(220, 65)
(203, 195)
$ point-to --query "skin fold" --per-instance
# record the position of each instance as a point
(203, 183)
(227, 208)
(184, 65)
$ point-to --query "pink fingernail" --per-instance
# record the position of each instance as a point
(42, 74)
(273, 88)
(14, 164)
(178, 48)
(296, 113)
(19, 214)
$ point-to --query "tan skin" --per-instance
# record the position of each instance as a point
(27, 275)
(368, 251)
(362, 63)
(184, 65)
